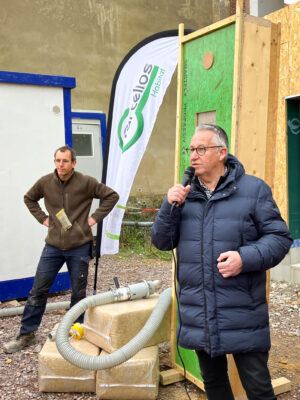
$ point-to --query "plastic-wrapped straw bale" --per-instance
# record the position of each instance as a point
(136, 379)
(58, 375)
(111, 326)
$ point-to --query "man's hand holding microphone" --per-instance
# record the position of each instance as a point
(177, 194)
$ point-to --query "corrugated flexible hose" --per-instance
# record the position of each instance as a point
(10, 312)
(137, 291)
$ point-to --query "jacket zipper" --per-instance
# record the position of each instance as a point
(62, 194)
(204, 297)
(63, 206)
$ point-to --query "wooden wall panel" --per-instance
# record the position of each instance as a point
(257, 90)
(289, 85)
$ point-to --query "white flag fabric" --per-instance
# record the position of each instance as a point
(139, 91)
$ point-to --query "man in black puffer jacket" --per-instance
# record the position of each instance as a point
(228, 231)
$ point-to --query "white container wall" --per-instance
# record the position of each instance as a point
(32, 126)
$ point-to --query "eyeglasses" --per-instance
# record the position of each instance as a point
(200, 150)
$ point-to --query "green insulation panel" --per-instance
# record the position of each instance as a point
(205, 91)
(293, 114)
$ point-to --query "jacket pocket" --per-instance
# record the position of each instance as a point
(250, 285)
(55, 233)
(77, 231)
(249, 232)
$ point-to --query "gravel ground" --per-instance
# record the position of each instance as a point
(19, 371)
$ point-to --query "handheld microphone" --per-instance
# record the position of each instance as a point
(186, 180)
(188, 176)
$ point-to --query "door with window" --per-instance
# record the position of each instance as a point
(87, 142)
(293, 131)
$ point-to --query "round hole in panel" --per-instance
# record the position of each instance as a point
(208, 60)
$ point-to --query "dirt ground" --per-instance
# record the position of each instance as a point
(19, 371)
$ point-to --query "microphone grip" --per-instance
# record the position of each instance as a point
(186, 180)
(174, 204)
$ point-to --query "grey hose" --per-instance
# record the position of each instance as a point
(9, 312)
(119, 356)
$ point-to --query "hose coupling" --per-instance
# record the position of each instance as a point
(121, 294)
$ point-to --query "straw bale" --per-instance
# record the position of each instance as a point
(136, 379)
(58, 375)
(111, 326)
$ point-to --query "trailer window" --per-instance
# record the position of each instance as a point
(83, 144)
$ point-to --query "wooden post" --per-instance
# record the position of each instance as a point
(235, 382)
(176, 176)
(237, 75)
(179, 102)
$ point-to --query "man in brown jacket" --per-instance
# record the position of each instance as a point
(68, 196)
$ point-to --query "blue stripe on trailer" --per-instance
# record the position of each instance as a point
(19, 288)
(36, 79)
(67, 116)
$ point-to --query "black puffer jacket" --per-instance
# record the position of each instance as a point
(224, 315)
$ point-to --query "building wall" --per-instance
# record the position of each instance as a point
(259, 8)
(288, 85)
(88, 39)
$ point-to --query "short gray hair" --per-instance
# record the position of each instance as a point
(221, 138)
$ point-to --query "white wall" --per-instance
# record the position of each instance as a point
(30, 131)
(260, 8)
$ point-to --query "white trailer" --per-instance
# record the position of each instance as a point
(35, 119)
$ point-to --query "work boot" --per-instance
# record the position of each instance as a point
(18, 344)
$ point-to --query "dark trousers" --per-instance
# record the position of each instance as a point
(253, 372)
(51, 261)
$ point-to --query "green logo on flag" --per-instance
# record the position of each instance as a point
(134, 114)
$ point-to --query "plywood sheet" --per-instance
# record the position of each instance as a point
(254, 98)
(294, 63)
(280, 179)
